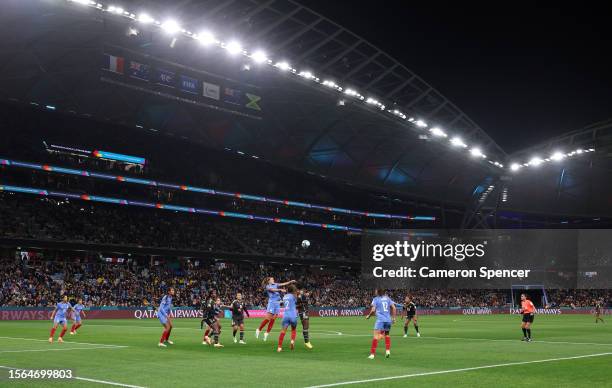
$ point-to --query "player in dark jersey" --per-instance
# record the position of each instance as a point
(213, 309)
(410, 314)
(238, 311)
(208, 316)
(598, 311)
(302, 308)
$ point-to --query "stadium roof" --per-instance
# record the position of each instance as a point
(305, 118)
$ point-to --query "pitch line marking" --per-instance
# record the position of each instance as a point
(68, 342)
(459, 370)
(84, 379)
(57, 349)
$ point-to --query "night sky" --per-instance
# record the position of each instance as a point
(524, 73)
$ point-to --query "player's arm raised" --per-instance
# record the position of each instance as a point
(286, 283)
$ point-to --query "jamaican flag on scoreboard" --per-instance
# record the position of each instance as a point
(157, 75)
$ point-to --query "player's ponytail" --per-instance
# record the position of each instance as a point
(264, 283)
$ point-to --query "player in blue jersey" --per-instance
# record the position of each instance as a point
(163, 314)
(60, 317)
(274, 298)
(289, 317)
(76, 316)
(385, 311)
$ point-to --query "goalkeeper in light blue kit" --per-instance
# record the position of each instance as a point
(289, 317)
(385, 311)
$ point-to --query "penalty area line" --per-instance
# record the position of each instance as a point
(83, 379)
(440, 372)
(59, 349)
(67, 342)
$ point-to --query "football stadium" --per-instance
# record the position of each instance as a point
(246, 193)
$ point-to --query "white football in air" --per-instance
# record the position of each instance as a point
(305, 244)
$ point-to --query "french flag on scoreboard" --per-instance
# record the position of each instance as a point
(114, 64)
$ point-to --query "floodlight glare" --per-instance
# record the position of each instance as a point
(170, 26)
(457, 142)
(557, 156)
(259, 56)
(438, 132)
(283, 66)
(515, 166)
(206, 38)
(535, 161)
(421, 123)
(145, 18)
(476, 152)
(234, 47)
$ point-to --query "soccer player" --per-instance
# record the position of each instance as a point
(213, 309)
(302, 308)
(273, 289)
(411, 315)
(598, 311)
(78, 310)
(289, 318)
(238, 312)
(528, 310)
(163, 314)
(385, 310)
(208, 316)
(59, 318)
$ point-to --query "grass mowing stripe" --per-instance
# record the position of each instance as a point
(86, 379)
(459, 370)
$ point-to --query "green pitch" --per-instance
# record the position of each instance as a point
(457, 351)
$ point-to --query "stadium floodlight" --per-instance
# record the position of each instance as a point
(579, 151)
(259, 56)
(171, 26)
(458, 142)
(145, 18)
(84, 2)
(535, 161)
(557, 156)
(476, 152)
(421, 124)
(114, 9)
(438, 132)
(206, 38)
(351, 92)
(306, 74)
(283, 66)
(233, 47)
(515, 167)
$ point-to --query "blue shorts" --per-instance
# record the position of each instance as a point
(162, 318)
(273, 308)
(61, 321)
(382, 326)
(77, 318)
(289, 321)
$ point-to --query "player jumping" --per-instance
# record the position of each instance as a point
(302, 308)
(289, 317)
(163, 314)
(528, 310)
(238, 312)
(385, 310)
(411, 315)
(78, 310)
(274, 298)
(598, 312)
(59, 318)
